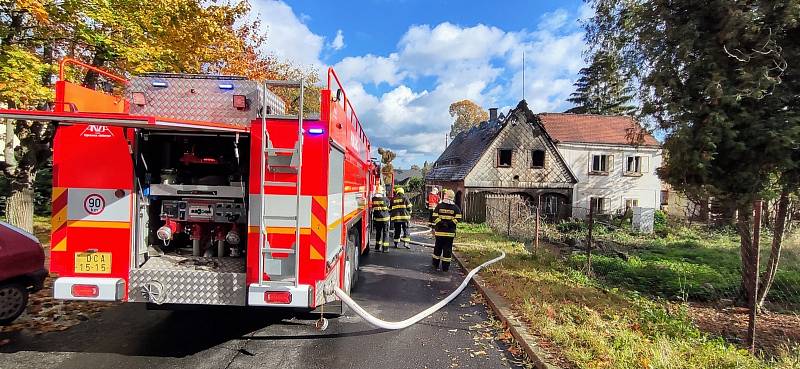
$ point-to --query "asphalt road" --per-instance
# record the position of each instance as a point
(392, 286)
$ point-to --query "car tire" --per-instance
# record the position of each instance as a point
(13, 300)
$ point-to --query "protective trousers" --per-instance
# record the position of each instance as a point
(401, 227)
(381, 235)
(442, 252)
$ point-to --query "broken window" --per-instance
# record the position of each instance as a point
(504, 157)
(537, 159)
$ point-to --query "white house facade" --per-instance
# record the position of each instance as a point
(613, 160)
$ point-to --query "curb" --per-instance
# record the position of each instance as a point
(502, 308)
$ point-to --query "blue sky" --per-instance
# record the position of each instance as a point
(403, 62)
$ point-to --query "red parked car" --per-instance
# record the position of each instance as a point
(22, 270)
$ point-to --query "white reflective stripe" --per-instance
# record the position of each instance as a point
(114, 209)
(110, 289)
(281, 206)
(350, 202)
(300, 295)
(334, 207)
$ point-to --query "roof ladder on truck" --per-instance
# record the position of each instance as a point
(279, 263)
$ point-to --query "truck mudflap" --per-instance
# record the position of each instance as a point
(189, 280)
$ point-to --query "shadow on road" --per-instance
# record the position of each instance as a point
(129, 329)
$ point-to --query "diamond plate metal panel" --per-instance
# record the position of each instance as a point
(200, 98)
(189, 280)
(320, 295)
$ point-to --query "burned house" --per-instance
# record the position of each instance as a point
(506, 155)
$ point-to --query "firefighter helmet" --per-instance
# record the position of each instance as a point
(399, 190)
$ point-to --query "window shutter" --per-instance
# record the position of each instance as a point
(610, 163)
(645, 164)
(591, 158)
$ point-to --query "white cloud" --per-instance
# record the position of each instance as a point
(371, 69)
(338, 41)
(288, 37)
(482, 63)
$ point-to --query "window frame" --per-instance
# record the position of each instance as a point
(631, 199)
(600, 206)
(510, 158)
(544, 159)
(638, 162)
(605, 165)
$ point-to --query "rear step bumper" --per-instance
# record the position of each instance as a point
(89, 289)
(279, 296)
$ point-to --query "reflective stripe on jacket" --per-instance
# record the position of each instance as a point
(401, 208)
(445, 219)
(380, 208)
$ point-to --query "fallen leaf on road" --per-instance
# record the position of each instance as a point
(452, 330)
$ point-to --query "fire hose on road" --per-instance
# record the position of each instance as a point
(342, 295)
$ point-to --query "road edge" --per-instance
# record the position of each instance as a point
(502, 308)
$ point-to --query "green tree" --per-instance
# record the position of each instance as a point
(468, 114)
(716, 76)
(601, 88)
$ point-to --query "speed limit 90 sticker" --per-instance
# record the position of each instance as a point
(94, 204)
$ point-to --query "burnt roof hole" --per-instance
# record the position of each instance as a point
(516, 177)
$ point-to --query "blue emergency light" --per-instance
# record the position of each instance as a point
(316, 131)
(226, 86)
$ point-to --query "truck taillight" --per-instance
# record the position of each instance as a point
(275, 297)
(85, 290)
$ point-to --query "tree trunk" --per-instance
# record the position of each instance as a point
(19, 207)
(744, 227)
(775, 252)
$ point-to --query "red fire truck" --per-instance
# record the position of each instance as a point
(198, 189)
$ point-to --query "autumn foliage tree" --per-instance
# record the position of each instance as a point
(468, 114)
(126, 37)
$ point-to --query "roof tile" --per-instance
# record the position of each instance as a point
(591, 128)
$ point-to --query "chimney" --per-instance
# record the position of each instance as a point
(492, 114)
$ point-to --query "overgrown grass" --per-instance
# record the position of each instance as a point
(598, 327)
(41, 228)
(694, 263)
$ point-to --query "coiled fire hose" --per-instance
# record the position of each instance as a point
(371, 319)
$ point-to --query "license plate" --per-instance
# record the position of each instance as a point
(93, 262)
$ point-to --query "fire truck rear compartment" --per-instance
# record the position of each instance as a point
(192, 223)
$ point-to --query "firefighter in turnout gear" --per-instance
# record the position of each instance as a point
(401, 216)
(445, 219)
(380, 220)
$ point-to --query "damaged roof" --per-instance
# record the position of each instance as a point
(460, 156)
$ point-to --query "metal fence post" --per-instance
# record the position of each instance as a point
(536, 236)
(753, 299)
(508, 225)
(589, 239)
